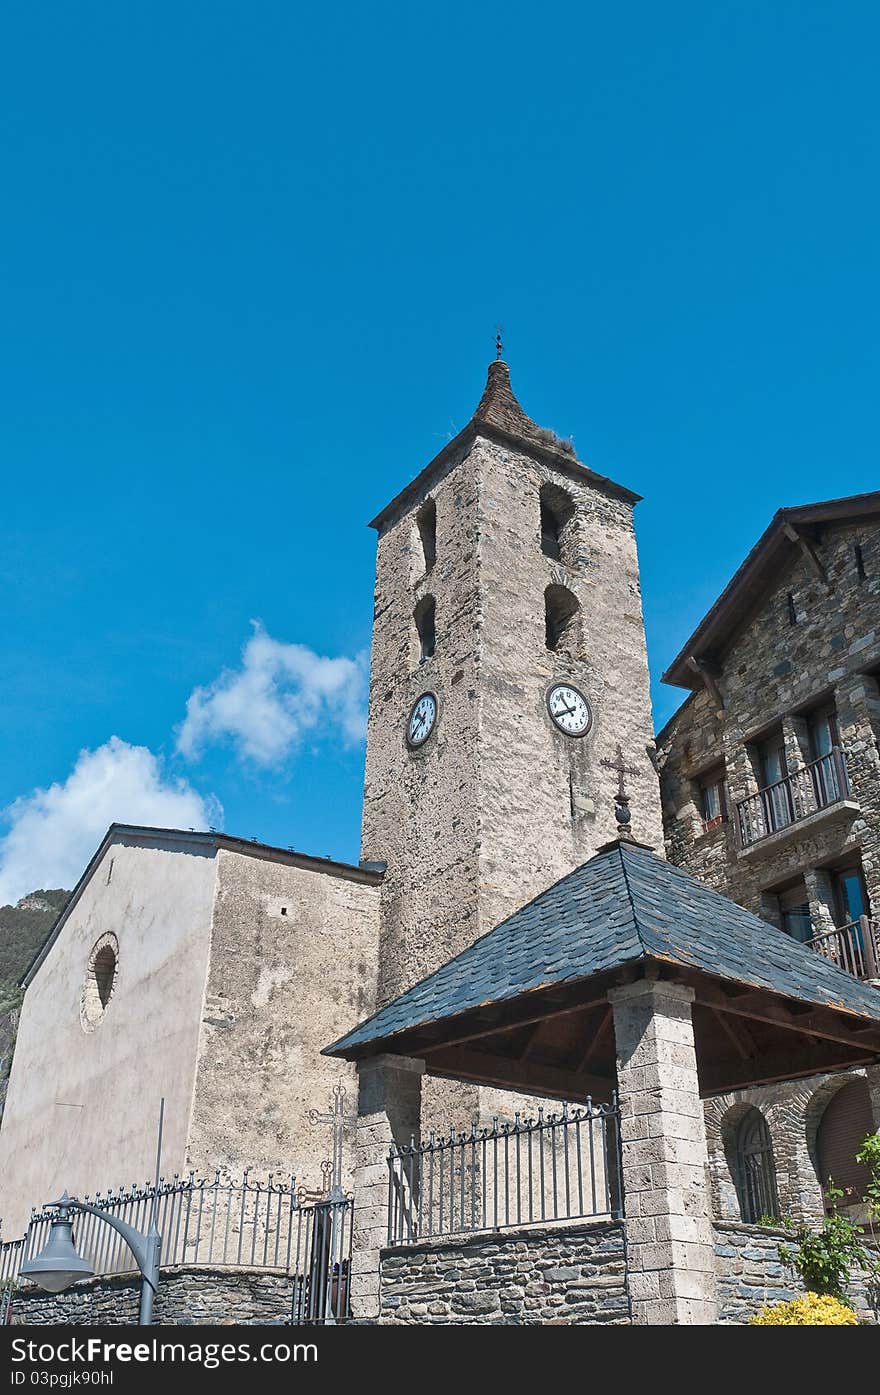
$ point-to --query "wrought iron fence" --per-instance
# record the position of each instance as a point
(793, 798)
(220, 1224)
(535, 1171)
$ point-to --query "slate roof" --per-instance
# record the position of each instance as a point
(625, 904)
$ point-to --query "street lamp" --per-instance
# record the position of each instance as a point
(58, 1265)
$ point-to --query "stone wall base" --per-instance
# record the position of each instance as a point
(191, 1295)
(548, 1276)
(750, 1274)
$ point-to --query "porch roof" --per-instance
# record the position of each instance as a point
(532, 993)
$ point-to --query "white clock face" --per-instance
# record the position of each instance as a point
(422, 720)
(569, 709)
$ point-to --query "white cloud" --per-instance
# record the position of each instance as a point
(280, 692)
(53, 832)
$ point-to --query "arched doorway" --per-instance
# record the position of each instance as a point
(842, 1129)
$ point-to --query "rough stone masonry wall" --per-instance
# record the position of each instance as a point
(537, 1276)
(772, 672)
(751, 1275)
(188, 1296)
(497, 805)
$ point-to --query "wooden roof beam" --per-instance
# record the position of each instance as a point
(812, 557)
(477, 1033)
(508, 1074)
(771, 1067)
(760, 1007)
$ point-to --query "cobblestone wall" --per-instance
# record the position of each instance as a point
(188, 1296)
(750, 1275)
(547, 1276)
(771, 675)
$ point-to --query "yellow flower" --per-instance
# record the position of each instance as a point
(810, 1310)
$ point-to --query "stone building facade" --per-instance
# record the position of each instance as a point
(504, 537)
(201, 968)
(770, 782)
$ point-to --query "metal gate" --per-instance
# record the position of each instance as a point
(321, 1282)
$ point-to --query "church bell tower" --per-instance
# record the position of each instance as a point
(509, 698)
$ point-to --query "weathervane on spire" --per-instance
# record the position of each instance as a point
(499, 346)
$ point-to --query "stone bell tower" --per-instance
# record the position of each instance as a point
(509, 685)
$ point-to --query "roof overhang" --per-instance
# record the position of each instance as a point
(789, 530)
(559, 1041)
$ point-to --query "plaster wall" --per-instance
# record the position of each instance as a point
(82, 1107)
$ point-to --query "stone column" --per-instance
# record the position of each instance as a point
(670, 1239)
(389, 1106)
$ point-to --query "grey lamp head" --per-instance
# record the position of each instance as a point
(58, 1265)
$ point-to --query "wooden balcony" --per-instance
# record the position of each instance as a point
(791, 800)
(855, 947)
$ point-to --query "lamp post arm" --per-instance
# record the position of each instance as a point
(145, 1248)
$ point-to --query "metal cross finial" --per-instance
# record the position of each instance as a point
(499, 345)
(621, 804)
(338, 1119)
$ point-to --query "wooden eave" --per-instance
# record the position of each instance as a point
(559, 1043)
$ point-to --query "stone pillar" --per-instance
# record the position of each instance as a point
(670, 1240)
(389, 1106)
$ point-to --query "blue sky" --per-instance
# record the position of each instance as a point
(252, 260)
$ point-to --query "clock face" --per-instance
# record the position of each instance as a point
(569, 709)
(422, 720)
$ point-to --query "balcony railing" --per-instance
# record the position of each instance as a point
(855, 947)
(804, 792)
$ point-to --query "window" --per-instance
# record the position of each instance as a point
(827, 767)
(773, 774)
(850, 894)
(100, 982)
(792, 612)
(426, 521)
(860, 562)
(557, 511)
(424, 616)
(713, 798)
(794, 912)
(560, 619)
(754, 1169)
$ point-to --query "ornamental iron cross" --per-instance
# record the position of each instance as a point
(621, 807)
(338, 1118)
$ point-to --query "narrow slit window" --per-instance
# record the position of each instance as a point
(860, 562)
(426, 520)
(792, 611)
(424, 615)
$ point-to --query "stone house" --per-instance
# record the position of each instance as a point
(770, 783)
